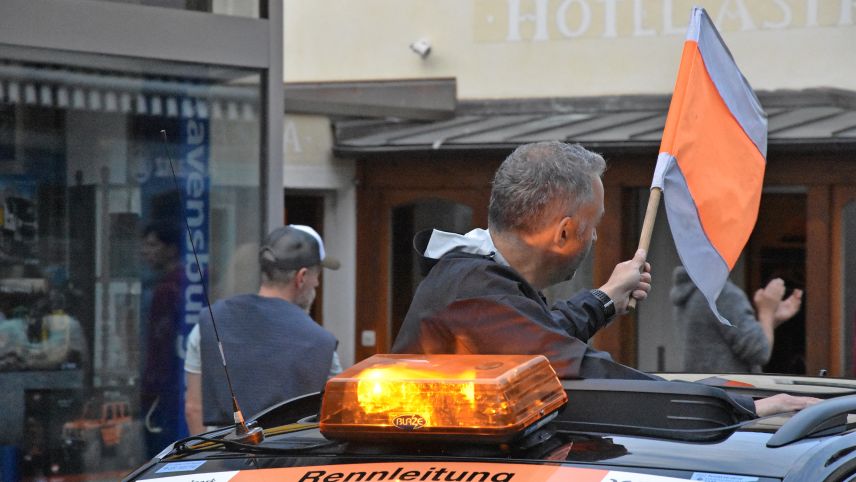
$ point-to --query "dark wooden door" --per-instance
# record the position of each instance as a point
(842, 283)
(777, 249)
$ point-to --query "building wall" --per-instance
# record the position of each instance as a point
(309, 166)
(545, 48)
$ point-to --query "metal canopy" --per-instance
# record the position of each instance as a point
(815, 118)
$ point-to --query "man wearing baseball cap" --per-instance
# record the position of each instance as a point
(273, 349)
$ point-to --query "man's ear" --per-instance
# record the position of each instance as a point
(565, 231)
(300, 277)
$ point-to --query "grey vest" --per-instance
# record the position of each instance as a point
(274, 352)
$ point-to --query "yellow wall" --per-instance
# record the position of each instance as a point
(544, 48)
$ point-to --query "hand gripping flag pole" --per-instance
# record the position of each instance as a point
(711, 163)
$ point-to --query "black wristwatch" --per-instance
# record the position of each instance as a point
(606, 304)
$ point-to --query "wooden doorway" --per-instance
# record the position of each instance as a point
(388, 221)
(842, 282)
(308, 209)
(777, 249)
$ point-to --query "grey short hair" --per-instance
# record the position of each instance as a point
(275, 276)
(534, 176)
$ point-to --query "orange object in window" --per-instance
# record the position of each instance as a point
(481, 398)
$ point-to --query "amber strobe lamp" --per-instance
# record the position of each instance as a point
(472, 398)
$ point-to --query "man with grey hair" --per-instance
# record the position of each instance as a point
(275, 351)
(482, 292)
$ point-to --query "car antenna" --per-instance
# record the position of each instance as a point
(243, 433)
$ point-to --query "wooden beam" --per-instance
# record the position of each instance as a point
(823, 344)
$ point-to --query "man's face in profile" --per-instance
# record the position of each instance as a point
(588, 217)
(306, 295)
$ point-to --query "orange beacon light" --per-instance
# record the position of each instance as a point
(472, 398)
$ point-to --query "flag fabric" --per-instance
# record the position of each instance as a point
(712, 159)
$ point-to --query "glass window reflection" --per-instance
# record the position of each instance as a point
(98, 282)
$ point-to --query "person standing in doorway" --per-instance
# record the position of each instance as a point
(745, 346)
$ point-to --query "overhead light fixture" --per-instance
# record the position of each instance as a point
(422, 47)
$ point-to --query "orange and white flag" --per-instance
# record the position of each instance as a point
(712, 159)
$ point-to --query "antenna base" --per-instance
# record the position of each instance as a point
(250, 434)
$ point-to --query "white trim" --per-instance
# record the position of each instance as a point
(340, 231)
(338, 176)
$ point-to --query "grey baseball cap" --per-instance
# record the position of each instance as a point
(293, 247)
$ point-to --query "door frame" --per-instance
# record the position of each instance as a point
(841, 196)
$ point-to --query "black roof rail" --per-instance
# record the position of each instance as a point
(651, 408)
(825, 417)
(289, 411)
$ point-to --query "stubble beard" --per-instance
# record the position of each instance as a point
(576, 261)
(304, 300)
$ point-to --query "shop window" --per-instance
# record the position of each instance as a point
(98, 282)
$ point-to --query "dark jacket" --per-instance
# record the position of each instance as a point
(274, 351)
(470, 303)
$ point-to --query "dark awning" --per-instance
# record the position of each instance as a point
(812, 119)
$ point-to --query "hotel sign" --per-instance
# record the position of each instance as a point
(545, 20)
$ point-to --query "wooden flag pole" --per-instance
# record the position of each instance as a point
(648, 227)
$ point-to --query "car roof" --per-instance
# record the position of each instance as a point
(743, 453)
(630, 429)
